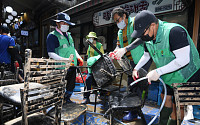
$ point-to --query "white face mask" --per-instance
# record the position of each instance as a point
(64, 28)
(121, 24)
(90, 39)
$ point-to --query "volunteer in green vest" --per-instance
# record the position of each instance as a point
(60, 46)
(174, 53)
(126, 26)
(93, 56)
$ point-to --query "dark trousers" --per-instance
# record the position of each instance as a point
(130, 79)
(71, 77)
(89, 82)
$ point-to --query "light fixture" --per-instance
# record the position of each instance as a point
(4, 24)
(22, 13)
(21, 22)
(7, 21)
(10, 17)
(9, 9)
(14, 13)
(16, 19)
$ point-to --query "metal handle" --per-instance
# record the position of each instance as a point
(95, 48)
(106, 72)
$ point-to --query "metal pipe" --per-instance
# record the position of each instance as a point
(106, 72)
(92, 91)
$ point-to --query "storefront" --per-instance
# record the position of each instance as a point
(26, 32)
(97, 17)
(82, 16)
(170, 11)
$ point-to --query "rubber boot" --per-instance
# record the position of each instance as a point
(172, 122)
(164, 115)
(67, 96)
(131, 116)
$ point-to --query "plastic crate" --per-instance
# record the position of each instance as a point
(196, 111)
(79, 84)
(78, 87)
(160, 88)
(153, 91)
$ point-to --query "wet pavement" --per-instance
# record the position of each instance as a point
(96, 118)
(150, 109)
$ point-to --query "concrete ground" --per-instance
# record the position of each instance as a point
(149, 110)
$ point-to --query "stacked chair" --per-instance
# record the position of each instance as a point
(42, 90)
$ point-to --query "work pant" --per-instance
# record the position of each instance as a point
(89, 82)
(130, 80)
(71, 77)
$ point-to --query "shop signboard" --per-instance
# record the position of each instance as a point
(156, 6)
(24, 33)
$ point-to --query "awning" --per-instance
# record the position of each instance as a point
(82, 6)
(79, 7)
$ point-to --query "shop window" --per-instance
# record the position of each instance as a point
(102, 34)
(45, 32)
(75, 33)
(85, 29)
(178, 17)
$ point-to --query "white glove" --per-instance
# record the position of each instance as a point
(112, 55)
(153, 76)
(120, 52)
(135, 74)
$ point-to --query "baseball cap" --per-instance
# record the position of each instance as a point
(63, 17)
(142, 21)
(4, 28)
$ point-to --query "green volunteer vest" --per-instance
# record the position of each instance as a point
(98, 46)
(161, 55)
(139, 50)
(66, 47)
(92, 60)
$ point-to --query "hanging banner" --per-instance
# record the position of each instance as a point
(156, 6)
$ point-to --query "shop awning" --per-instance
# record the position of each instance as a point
(79, 7)
(83, 5)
